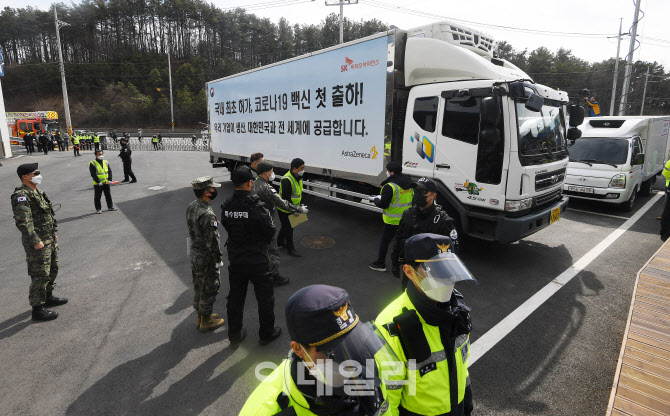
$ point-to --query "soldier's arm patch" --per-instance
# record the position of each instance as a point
(21, 199)
(215, 224)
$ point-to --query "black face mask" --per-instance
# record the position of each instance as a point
(213, 195)
(420, 199)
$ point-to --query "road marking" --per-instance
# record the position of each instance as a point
(598, 213)
(494, 335)
(156, 188)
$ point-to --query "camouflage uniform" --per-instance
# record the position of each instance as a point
(272, 200)
(34, 216)
(203, 230)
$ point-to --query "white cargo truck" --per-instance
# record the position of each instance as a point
(616, 158)
(433, 97)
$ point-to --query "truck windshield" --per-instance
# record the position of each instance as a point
(541, 133)
(600, 149)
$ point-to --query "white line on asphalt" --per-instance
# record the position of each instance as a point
(156, 188)
(511, 321)
(598, 213)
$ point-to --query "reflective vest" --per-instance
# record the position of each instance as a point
(401, 200)
(666, 173)
(264, 400)
(75, 139)
(432, 390)
(96, 138)
(154, 139)
(296, 190)
(101, 171)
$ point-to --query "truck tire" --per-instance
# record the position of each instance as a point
(628, 205)
(645, 188)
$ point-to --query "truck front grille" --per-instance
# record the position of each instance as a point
(547, 198)
(549, 179)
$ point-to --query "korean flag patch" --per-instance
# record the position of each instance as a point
(216, 224)
(21, 199)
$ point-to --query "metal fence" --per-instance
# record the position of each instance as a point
(168, 143)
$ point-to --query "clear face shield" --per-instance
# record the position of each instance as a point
(351, 368)
(438, 275)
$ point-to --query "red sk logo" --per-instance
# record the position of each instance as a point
(349, 61)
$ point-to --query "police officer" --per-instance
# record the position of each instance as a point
(290, 189)
(34, 216)
(102, 176)
(75, 144)
(250, 230)
(394, 198)
(272, 200)
(125, 155)
(205, 252)
(325, 331)
(425, 216)
(428, 327)
(665, 217)
(154, 141)
(96, 141)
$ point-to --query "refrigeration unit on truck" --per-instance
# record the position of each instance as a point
(617, 158)
(433, 97)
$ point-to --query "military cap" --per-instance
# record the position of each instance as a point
(264, 167)
(26, 168)
(425, 184)
(319, 314)
(241, 175)
(205, 182)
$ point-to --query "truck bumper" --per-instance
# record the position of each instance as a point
(509, 230)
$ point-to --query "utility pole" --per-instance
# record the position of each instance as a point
(341, 4)
(629, 66)
(5, 145)
(644, 94)
(66, 102)
(616, 69)
(170, 78)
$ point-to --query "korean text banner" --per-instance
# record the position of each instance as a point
(328, 109)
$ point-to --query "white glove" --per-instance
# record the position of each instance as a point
(219, 265)
(303, 209)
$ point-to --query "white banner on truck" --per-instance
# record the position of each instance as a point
(327, 109)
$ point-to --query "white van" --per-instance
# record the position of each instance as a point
(616, 158)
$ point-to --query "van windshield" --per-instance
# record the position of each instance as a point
(600, 149)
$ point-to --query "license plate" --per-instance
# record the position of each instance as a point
(555, 215)
(580, 189)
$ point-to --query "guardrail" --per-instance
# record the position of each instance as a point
(168, 143)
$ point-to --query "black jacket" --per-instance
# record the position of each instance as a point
(399, 179)
(249, 226)
(433, 220)
(125, 153)
(94, 172)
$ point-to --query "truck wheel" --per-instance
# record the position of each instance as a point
(628, 205)
(645, 189)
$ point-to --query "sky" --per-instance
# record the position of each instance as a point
(579, 25)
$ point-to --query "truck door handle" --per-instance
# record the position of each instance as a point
(443, 166)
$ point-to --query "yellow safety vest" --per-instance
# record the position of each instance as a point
(75, 139)
(101, 171)
(666, 173)
(432, 390)
(96, 138)
(154, 139)
(296, 190)
(401, 200)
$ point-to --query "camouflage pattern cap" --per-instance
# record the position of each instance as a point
(205, 182)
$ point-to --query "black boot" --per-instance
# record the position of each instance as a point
(279, 280)
(293, 252)
(41, 314)
(275, 334)
(54, 301)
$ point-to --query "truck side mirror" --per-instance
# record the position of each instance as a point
(574, 134)
(490, 111)
(576, 115)
(535, 103)
(639, 159)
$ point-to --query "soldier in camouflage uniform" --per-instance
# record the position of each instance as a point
(205, 252)
(272, 200)
(34, 216)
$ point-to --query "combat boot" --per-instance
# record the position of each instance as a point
(208, 323)
(41, 314)
(197, 322)
(54, 301)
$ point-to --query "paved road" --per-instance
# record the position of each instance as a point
(127, 344)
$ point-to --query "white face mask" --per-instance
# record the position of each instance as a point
(36, 179)
(438, 292)
(388, 174)
(101, 157)
(272, 177)
(302, 172)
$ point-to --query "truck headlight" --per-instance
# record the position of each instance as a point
(618, 181)
(515, 206)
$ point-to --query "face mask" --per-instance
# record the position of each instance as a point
(388, 174)
(420, 199)
(101, 157)
(300, 173)
(272, 177)
(435, 290)
(214, 194)
(36, 179)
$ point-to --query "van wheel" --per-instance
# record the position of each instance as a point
(628, 205)
(645, 189)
